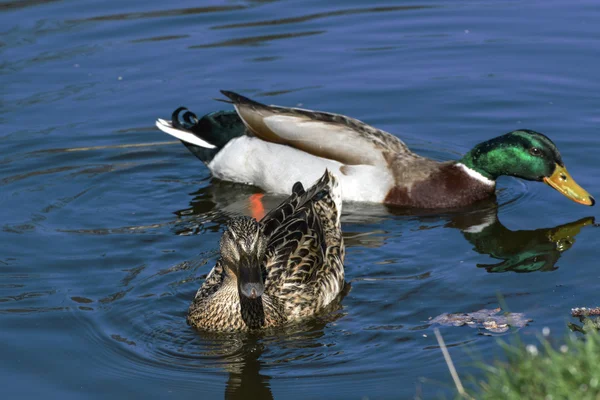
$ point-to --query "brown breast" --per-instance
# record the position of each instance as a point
(449, 186)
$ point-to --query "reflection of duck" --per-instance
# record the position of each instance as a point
(522, 250)
(214, 204)
(241, 354)
(245, 378)
(273, 147)
(285, 268)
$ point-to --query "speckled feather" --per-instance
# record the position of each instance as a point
(302, 267)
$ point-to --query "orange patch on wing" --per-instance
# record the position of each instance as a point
(257, 210)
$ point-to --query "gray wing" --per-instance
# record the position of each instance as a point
(326, 135)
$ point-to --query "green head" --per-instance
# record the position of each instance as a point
(528, 155)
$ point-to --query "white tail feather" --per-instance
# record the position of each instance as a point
(187, 137)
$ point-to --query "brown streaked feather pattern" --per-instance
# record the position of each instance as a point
(212, 282)
(303, 266)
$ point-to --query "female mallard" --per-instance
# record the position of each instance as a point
(273, 147)
(284, 268)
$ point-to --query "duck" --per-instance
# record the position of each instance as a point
(273, 147)
(286, 267)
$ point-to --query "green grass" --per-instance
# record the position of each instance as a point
(570, 370)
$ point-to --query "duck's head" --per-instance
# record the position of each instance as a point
(243, 248)
(528, 155)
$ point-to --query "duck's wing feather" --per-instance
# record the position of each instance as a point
(327, 135)
(212, 283)
(294, 250)
(295, 203)
(303, 230)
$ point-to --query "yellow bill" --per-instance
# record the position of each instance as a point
(565, 184)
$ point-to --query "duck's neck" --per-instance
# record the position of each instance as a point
(478, 165)
(252, 311)
(476, 174)
(263, 312)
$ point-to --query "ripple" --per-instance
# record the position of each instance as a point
(285, 91)
(156, 343)
(81, 300)
(27, 296)
(160, 13)
(104, 147)
(121, 354)
(52, 96)
(15, 178)
(115, 296)
(160, 38)
(86, 169)
(32, 310)
(118, 338)
(255, 40)
(381, 48)
(513, 193)
(63, 202)
(419, 277)
(14, 5)
(328, 14)
(265, 59)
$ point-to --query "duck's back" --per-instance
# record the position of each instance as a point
(305, 254)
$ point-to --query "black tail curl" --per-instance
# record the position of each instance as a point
(216, 128)
(186, 121)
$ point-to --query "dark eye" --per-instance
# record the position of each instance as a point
(535, 151)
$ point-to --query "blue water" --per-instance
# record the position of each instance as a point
(107, 226)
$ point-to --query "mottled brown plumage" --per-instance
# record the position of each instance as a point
(298, 250)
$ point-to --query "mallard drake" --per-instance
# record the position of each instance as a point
(284, 268)
(272, 147)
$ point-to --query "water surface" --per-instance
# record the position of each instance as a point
(108, 227)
